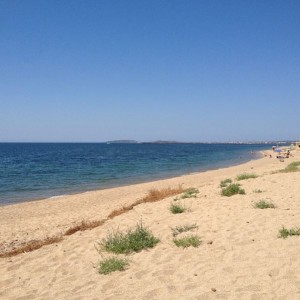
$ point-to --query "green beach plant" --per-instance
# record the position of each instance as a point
(112, 264)
(245, 176)
(184, 228)
(190, 193)
(191, 240)
(131, 241)
(262, 204)
(284, 232)
(177, 208)
(232, 189)
(292, 167)
(225, 182)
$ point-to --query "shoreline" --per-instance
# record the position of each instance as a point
(116, 197)
(153, 178)
(237, 240)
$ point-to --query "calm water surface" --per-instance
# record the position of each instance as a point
(35, 171)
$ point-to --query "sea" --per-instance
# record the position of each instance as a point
(30, 171)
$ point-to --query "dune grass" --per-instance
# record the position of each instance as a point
(183, 228)
(190, 193)
(232, 189)
(225, 182)
(284, 232)
(132, 241)
(112, 264)
(177, 208)
(292, 167)
(188, 241)
(262, 204)
(245, 176)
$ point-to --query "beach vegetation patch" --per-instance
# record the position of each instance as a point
(153, 195)
(232, 189)
(156, 195)
(257, 191)
(245, 176)
(190, 193)
(112, 264)
(177, 208)
(183, 228)
(262, 204)
(225, 182)
(284, 232)
(292, 167)
(187, 241)
(132, 241)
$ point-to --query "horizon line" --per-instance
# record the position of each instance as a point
(142, 142)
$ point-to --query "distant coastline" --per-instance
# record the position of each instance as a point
(201, 143)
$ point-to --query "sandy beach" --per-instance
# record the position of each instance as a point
(240, 257)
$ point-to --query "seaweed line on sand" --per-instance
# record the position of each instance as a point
(152, 196)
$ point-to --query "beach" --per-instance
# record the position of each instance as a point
(240, 256)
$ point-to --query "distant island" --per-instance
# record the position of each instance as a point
(176, 142)
(164, 142)
(136, 142)
(122, 142)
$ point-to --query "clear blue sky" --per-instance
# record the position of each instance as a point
(146, 70)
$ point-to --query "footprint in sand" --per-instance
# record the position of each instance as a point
(6, 282)
(151, 295)
(14, 267)
(163, 272)
(140, 274)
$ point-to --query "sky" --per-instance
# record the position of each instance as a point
(198, 71)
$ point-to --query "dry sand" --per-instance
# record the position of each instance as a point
(241, 256)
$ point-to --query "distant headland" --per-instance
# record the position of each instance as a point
(178, 142)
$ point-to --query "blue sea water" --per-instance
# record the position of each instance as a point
(40, 170)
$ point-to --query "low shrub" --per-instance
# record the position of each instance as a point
(225, 182)
(190, 193)
(232, 189)
(177, 208)
(131, 241)
(112, 264)
(262, 204)
(192, 240)
(284, 233)
(292, 167)
(245, 176)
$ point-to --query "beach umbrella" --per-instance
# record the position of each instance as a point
(277, 150)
